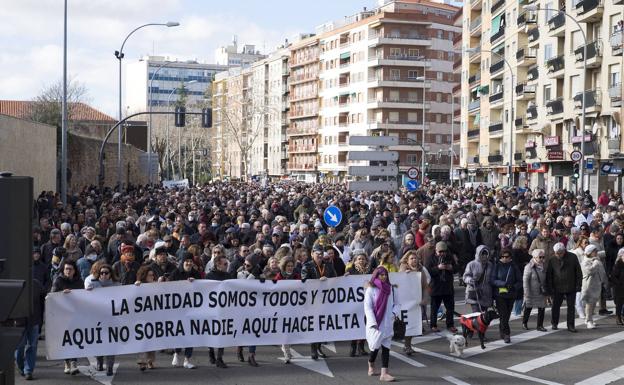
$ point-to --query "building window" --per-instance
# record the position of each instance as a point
(393, 116)
(395, 52)
(547, 90)
(412, 74)
(412, 159)
(413, 52)
(412, 117)
(395, 74)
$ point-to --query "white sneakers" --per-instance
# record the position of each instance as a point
(188, 364)
(590, 325)
(176, 361)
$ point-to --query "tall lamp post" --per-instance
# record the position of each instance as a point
(451, 152)
(423, 78)
(511, 117)
(149, 127)
(532, 7)
(120, 55)
(167, 131)
(64, 113)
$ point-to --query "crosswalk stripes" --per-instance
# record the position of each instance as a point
(407, 360)
(454, 380)
(567, 353)
(604, 378)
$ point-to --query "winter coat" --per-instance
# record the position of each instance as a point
(218, 275)
(617, 280)
(506, 280)
(466, 248)
(533, 279)
(180, 275)
(563, 275)
(311, 271)
(594, 279)
(476, 276)
(441, 280)
(61, 282)
(126, 272)
(490, 238)
(382, 336)
(545, 244)
(611, 250)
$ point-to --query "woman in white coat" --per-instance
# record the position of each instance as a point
(594, 279)
(379, 310)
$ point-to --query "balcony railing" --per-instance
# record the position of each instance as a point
(592, 99)
(554, 107)
(494, 127)
(527, 17)
(397, 36)
(584, 6)
(473, 133)
(397, 57)
(475, 159)
(518, 156)
(301, 166)
(475, 23)
(594, 49)
(555, 64)
(526, 53)
(617, 41)
(615, 94)
(531, 112)
(523, 88)
(391, 100)
(474, 105)
(495, 158)
(533, 35)
(556, 21)
(302, 148)
(497, 5)
(497, 35)
(474, 78)
(519, 122)
(497, 96)
(497, 66)
(533, 73)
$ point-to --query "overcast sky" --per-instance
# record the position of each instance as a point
(32, 36)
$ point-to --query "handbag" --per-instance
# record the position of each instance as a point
(398, 326)
(542, 289)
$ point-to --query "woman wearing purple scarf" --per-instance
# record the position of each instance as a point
(378, 308)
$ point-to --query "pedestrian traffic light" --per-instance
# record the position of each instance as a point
(180, 115)
(576, 170)
(206, 117)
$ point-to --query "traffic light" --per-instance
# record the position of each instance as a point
(576, 173)
(206, 117)
(180, 115)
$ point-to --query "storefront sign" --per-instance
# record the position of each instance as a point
(577, 139)
(555, 155)
(551, 141)
(529, 144)
(537, 167)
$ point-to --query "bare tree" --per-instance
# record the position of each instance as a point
(47, 106)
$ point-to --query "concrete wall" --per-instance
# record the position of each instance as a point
(84, 166)
(29, 148)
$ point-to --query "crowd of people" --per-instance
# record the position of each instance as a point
(512, 249)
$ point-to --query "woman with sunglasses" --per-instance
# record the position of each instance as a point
(506, 281)
(379, 308)
(103, 277)
(533, 282)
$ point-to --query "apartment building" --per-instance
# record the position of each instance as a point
(530, 115)
(231, 56)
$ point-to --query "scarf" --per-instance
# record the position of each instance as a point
(384, 292)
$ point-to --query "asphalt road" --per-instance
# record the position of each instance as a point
(589, 357)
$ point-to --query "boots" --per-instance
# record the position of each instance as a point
(73, 368)
(67, 369)
(211, 356)
(220, 363)
(361, 350)
(320, 351)
(99, 366)
(619, 321)
(313, 352)
(252, 360)
(407, 346)
(239, 354)
(385, 376)
(371, 369)
(354, 346)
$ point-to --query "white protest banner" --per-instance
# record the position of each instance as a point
(182, 183)
(238, 312)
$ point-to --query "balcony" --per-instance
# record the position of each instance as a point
(301, 166)
(473, 135)
(375, 124)
(496, 67)
(397, 60)
(398, 39)
(396, 103)
(531, 115)
(498, 35)
(554, 109)
(496, 128)
(497, 158)
(475, 26)
(593, 101)
(456, 89)
(457, 64)
(617, 43)
(496, 5)
(476, 4)
(302, 131)
(457, 39)
(496, 99)
(533, 36)
(594, 54)
(474, 159)
(555, 67)
(524, 91)
(389, 81)
(475, 57)
(588, 11)
(556, 25)
(293, 149)
(615, 94)
(474, 79)
(520, 124)
(526, 56)
(533, 74)
(527, 17)
(474, 105)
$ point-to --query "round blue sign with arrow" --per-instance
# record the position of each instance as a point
(412, 185)
(332, 216)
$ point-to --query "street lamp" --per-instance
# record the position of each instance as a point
(423, 78)
(167, 131)
(511, 117)
(531, 7)
(120, 55)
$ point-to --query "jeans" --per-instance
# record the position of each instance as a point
(26, 351)
(188, 352)
(504, 307)
(556, 307)
(449, 304)
(252, 350)
(517, 308)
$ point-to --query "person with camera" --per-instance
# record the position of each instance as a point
(533, 283)
(506, 281)
(442, 267)
(476, 277)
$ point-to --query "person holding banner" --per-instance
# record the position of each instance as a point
(380, 313)
(360, 266)
(317, 268)
(103, 277)
(287, 271)
(411, 262)
(185, 272)
(146, 275)
(67, 280)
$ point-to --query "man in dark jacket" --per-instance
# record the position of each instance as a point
(563, 281)
(317, 268)
(468, 237)
(218, 273)
(161, 266)
(441, 267)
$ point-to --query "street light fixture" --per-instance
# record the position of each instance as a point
(120, 55)
(511, 117)
(531, 7)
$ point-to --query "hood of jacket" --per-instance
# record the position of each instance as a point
(479, 250)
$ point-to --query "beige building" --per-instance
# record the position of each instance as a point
(534, 118)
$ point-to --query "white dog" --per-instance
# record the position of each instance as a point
(457, 344)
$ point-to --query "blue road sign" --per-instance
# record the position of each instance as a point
(412, 185)
(589, 163)
(332, 216)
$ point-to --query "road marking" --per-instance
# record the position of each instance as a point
(100, 377)
(604, 378)
(407, 360)
(454, 380)
(331, 346)
(485, 367)
(567, 353)
(318, 366)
